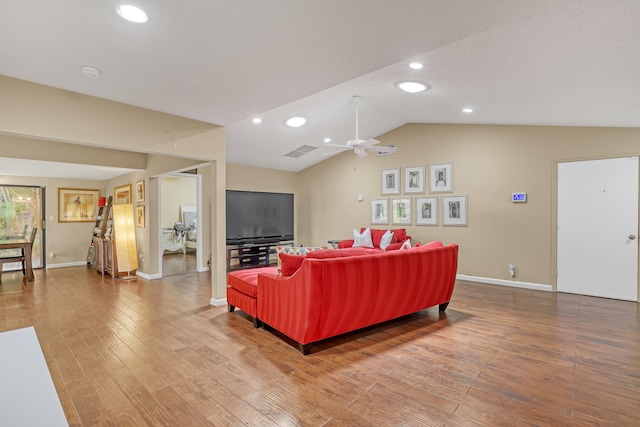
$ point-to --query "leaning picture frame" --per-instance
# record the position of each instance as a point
(454, 210)
(440, 178)
(140, 191)
(401, 211)
(414, 179)
(122, 195)
(77, 205)
(391, 181)
(380, 211)
(427, 210)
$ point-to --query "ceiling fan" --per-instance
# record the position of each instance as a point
(361, 146)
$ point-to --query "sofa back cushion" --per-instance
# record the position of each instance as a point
(341, 253)
(289, 264)
(294, 250)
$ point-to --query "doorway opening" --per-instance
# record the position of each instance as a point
(179, 218)
(22, 210)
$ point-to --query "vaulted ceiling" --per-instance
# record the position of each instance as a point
(226, 62)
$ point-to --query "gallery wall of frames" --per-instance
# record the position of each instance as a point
(410, 196)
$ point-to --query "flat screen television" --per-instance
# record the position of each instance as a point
(255, 217)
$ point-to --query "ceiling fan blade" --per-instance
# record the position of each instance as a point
(383, 149)
(345, 147)
(370, 142)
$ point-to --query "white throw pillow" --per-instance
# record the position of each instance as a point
(362, 240)
(406, 244)
(386, 239)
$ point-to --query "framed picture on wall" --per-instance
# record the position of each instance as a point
(140, 216)
(401, 211)
(440, 178)
(380, 211)
(414, 179)
(454, 210)
(77, 205)
(427, 210)
(140, 191)
(391, 181)
(122, 195)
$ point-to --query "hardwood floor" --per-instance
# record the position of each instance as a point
(178, 263)
(129, 353)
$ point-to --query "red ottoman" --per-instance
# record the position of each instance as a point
(242, 290)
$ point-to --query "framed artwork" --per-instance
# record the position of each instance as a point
(427, 210)
(122, 195)
(140, 216)
(440, 178)
(380, 211)
(77, 205)
(391, 181)
(454, 210)
(414, 179)
(140, 191)
(401, 211)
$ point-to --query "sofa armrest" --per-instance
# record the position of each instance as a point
(345, 244)
(291, 304)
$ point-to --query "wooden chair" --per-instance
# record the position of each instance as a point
(18, 258)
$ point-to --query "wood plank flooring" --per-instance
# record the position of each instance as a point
(136, 353)
(174, 263)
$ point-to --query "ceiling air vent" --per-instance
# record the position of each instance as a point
(383, 153)
(301, 151)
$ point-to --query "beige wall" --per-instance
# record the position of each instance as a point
(489, 163)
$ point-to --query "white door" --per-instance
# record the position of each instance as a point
(598, 228)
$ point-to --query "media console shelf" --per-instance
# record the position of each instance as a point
(251, 255)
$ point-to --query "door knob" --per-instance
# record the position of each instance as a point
(632, 237)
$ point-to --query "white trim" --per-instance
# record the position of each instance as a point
(148, 276)
(203, 270)
(218, 302)
(514, 284)
(66, 264)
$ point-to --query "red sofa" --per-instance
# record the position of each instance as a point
(332, 296)
(399, 237)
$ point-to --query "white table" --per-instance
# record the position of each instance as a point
(27, 394)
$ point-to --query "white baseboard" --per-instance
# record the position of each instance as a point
(66, 264)
(512, 283)
(218, 302)
(148, 276)
(202, 270)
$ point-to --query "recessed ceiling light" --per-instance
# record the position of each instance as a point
(412, 87)
(257, 121)
(467, 110)
(296, 122)
(416, 65)
(132, 13)
(327, 140)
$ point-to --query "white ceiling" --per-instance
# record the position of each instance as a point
(524, 62)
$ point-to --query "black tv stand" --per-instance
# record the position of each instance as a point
(252, 255)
